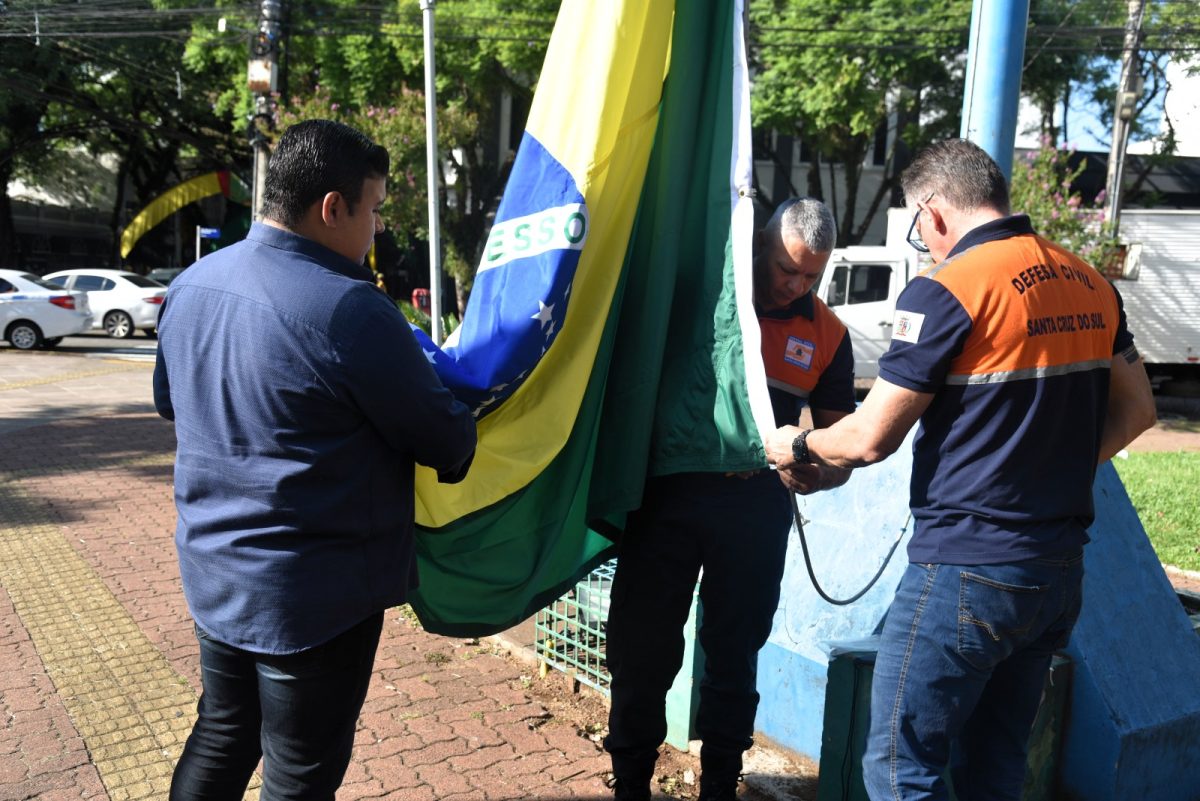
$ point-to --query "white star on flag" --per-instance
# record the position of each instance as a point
(545, 313)
(429, 355)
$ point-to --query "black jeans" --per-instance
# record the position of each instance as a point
(297, 712)
(737, 530)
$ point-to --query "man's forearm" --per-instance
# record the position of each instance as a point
(1130, 404)
(845, 446)
(866, 437)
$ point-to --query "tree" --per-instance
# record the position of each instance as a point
(833, 73)
(400, 128)
(28, 73)
(1067, 59)
(121, 95)
(343, 59)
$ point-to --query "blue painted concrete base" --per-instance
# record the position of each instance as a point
(1134, 730)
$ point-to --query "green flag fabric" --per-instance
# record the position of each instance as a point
(670, 379)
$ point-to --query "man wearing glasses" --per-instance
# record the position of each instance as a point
(1015, 356)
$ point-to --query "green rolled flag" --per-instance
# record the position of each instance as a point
(650, 361)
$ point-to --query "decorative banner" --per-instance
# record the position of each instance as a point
(603, 342)
(202, 186)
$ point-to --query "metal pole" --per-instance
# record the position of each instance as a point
(197, 244)
(431, 163)
(993, 87)
(262, 156)
(1127, 97)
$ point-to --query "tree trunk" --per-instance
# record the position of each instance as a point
(8, 231)
(814, 177)
(114, 219)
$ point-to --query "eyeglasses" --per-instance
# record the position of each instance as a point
(914, 236)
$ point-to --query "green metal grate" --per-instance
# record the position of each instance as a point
(569, 633)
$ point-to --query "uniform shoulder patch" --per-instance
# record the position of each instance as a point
(906, 326)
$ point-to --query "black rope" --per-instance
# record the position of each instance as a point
(813, 576)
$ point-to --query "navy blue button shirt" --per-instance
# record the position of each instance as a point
(301, 402)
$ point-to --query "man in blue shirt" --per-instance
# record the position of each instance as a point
(1016, 413)
(302, 403)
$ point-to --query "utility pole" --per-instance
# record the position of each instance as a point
(262, 75)
(1128, 91)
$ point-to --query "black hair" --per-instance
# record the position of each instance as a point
(316, 157)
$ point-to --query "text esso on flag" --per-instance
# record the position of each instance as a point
(559, 228)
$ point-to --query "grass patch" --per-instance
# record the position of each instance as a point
(1163, 488)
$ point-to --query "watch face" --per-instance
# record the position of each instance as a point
(800, 448)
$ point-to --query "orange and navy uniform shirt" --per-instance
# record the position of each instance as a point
(1014, 336)
(808, 358)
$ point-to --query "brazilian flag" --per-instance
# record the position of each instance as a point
(610, 335)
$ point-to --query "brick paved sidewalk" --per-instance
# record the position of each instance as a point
(99, 669)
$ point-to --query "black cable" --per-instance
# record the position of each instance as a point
(813, 576)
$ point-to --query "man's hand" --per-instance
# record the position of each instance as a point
(802, 479)
(805, 479)
(779, 448)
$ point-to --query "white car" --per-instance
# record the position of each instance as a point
(35, 313)
(122, 302)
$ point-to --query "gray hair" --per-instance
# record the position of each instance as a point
(961, 172)
(806, 219)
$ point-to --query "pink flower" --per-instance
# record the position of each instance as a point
(1101, 195)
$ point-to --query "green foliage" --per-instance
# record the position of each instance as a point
(1162, 487)
(67, 101)
(400, 127)
(1042, 188)
(421, 320)
(832, 73)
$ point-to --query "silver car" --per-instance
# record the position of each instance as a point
(122, 302)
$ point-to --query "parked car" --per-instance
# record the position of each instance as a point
(35, 313)
(165, 275)
(122, 302)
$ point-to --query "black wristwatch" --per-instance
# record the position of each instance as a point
(800, 447)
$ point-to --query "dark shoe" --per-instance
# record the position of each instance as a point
(718, 790)
(625, 789)
(631, 776)
(719, 776)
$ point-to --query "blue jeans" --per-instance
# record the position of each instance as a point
(737, 530)
(959, 676)
(297, 712)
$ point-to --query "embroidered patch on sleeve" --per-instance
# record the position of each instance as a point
(907, 326)
(799, 352)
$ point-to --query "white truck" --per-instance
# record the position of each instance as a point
(1160, 287)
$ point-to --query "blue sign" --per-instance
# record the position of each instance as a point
(208, 233)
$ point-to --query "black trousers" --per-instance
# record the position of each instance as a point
(297, 712)
(737, 530)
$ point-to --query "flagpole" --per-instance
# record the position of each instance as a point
(431, 163)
